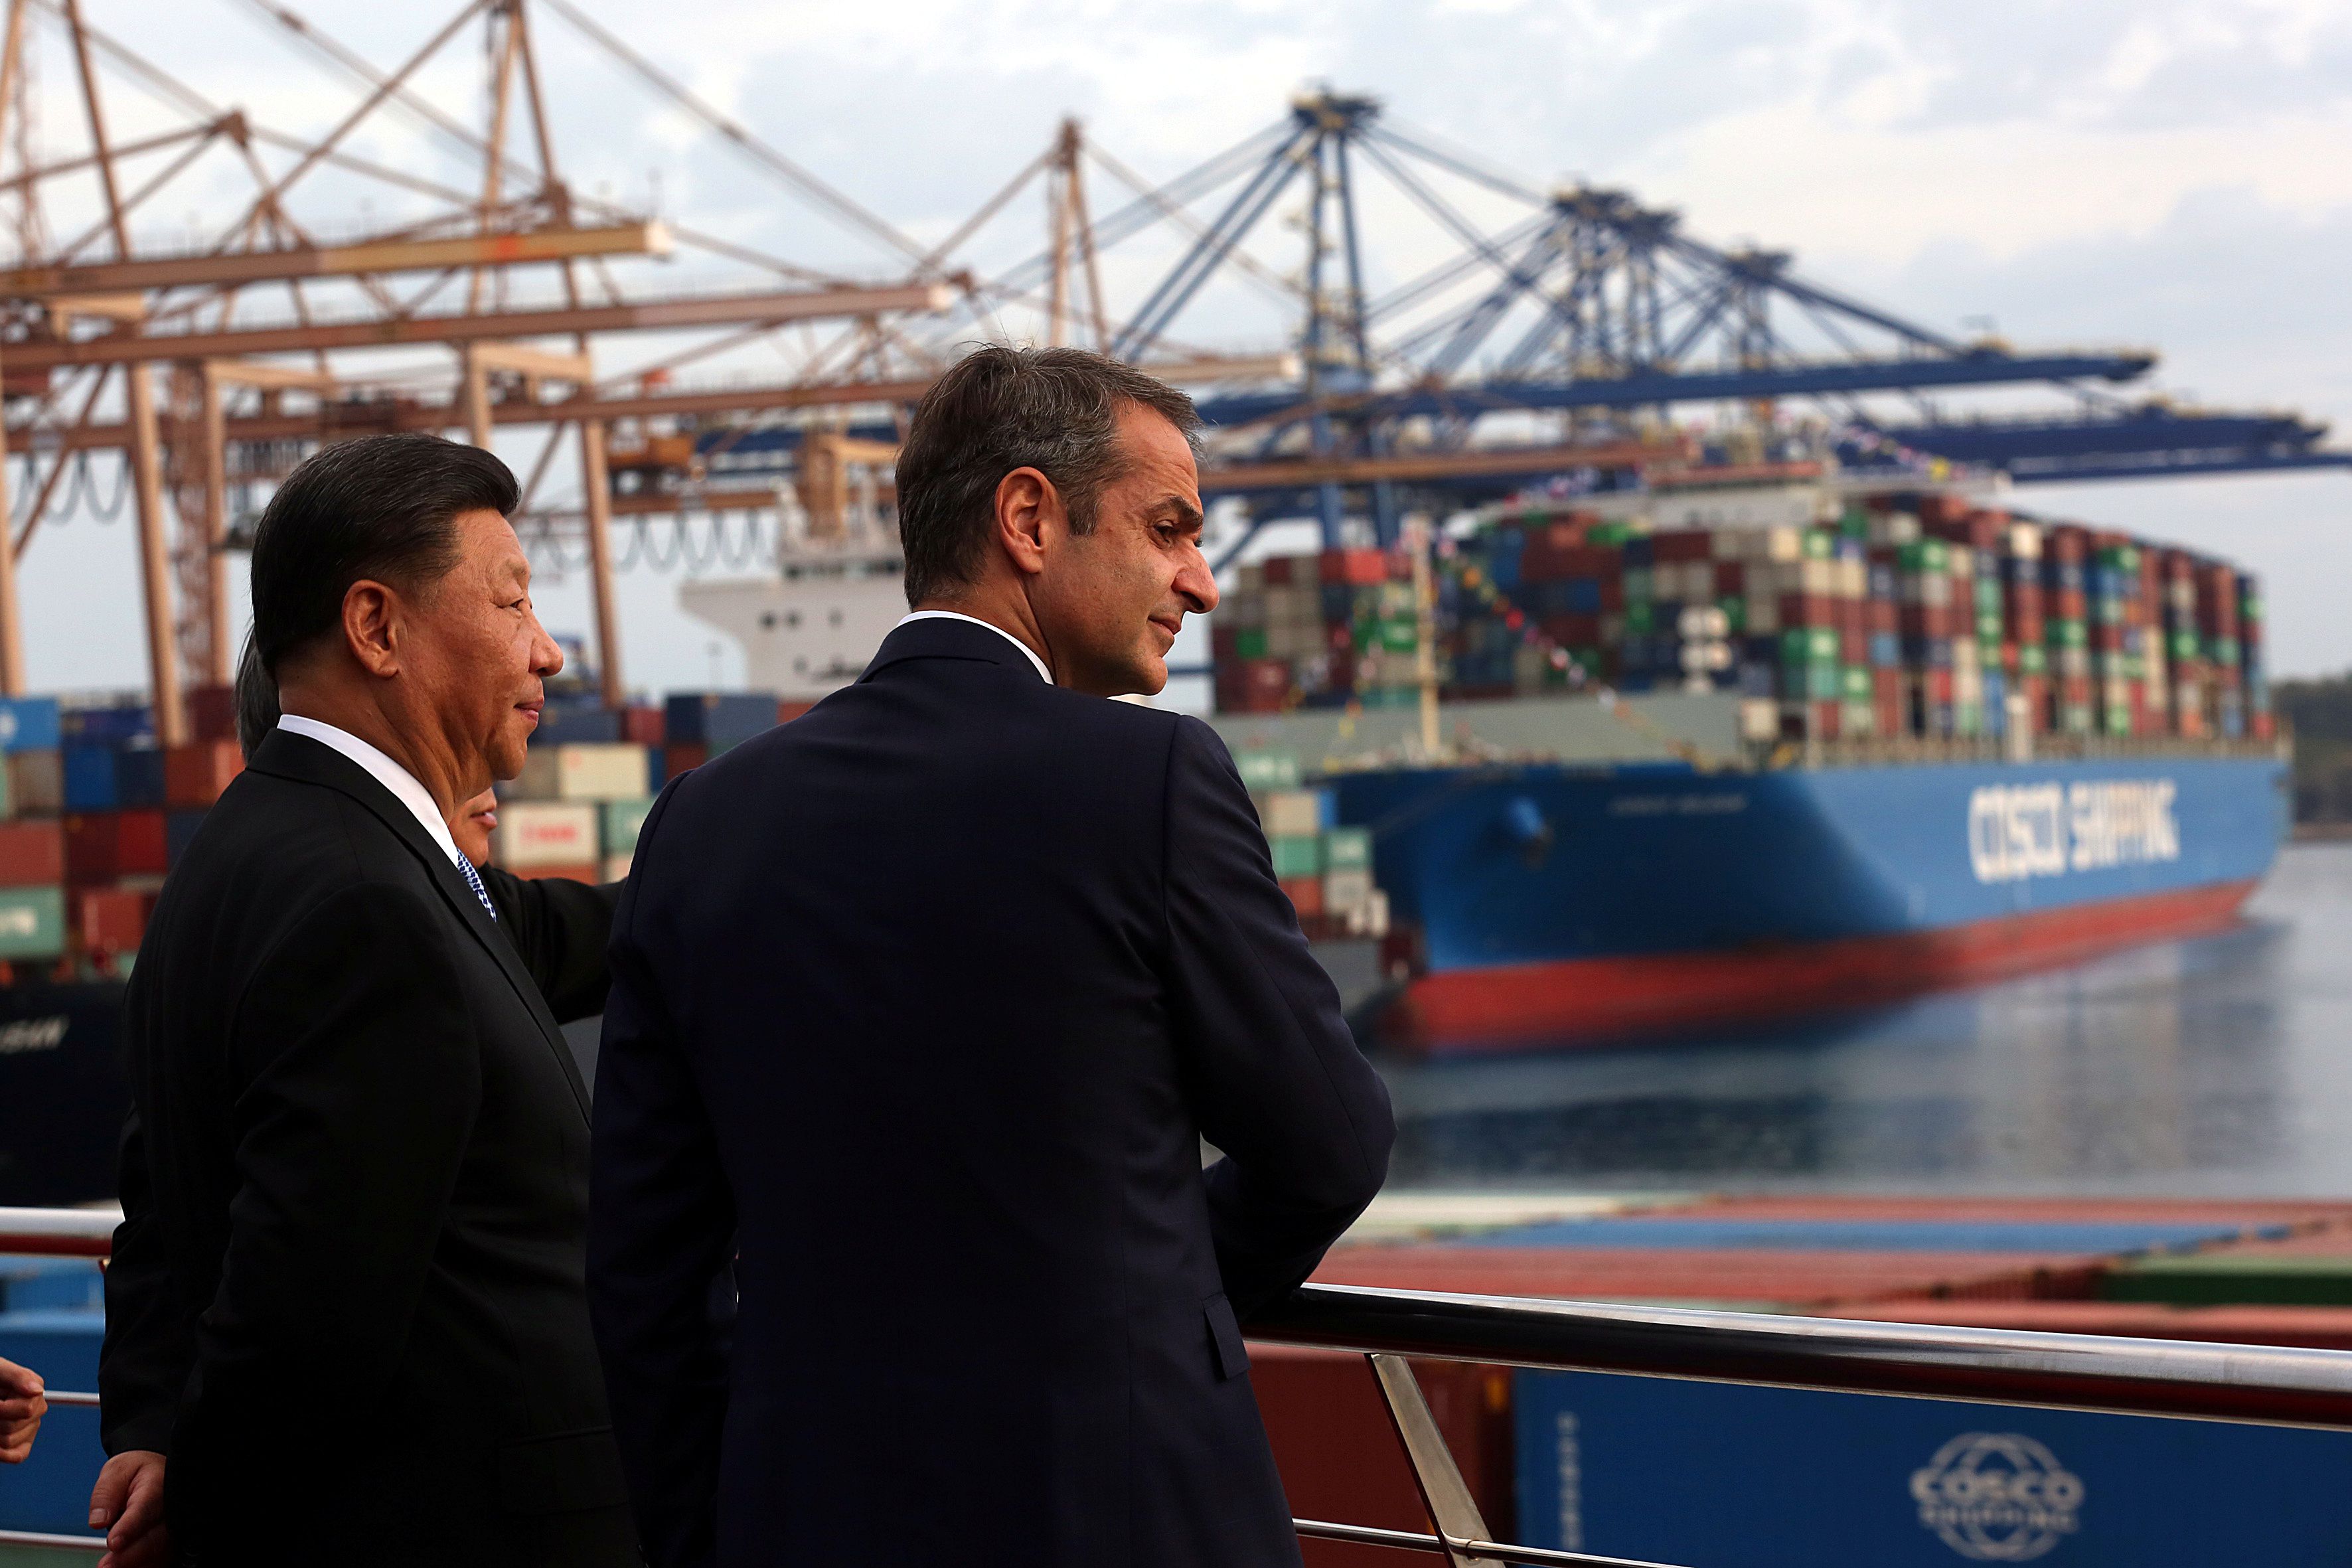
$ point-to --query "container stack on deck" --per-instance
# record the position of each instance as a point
(591, 773)
(1909, 616)
(96, 813)
(1326, 869)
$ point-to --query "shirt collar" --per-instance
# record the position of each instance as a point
(1026, 651)
(384, 771)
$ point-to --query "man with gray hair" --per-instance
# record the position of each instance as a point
(921, 1006)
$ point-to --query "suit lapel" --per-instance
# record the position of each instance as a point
(306, 761)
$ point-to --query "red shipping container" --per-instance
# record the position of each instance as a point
(212, 713)
(1730, 579)
(1305, 895)
(642, 726)
(1278, 570)
(194, 774)
(101, 846)
(109, 921)
(1356, 568)
(591, 872)
(1825, 720)
(1892, 719)
(1612, 595)
(679, 756)
(1854, 645)
(1681, 545)
(32, 855)
(788, 710)
(1942, 510)
(1939, 685)
(1339, 1453)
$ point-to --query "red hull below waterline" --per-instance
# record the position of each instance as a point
(1588, 1000)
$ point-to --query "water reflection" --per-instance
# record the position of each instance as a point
(2214, 1066)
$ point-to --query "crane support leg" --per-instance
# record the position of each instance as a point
(596, 487)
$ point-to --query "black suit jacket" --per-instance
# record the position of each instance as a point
(347, 1295)
(560, 929)
(930, 996)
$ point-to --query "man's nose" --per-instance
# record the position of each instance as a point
(1198, 584)
(546, 659)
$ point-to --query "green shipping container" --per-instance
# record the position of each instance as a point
(1924, 555)
(1348, 849)
(2031, 659)
(1823, 682)
(1858, 687)
(1264, 773)
(1637, 616)
(1296, 857)
(1636, 580)
(1399, 635)
(1820, 544)
(622, 821)
(1249, 642)
(1735, 612)
(32, 922)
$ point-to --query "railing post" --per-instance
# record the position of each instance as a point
(1451, 1507)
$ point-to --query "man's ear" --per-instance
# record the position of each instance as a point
(1028, 512)
(372, 613)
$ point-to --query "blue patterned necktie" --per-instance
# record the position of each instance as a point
(474, 881)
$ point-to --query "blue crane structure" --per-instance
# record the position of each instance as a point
(1587, 310)
(1593, 303)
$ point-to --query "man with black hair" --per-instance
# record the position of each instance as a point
(921, 1006)
(347, 1296)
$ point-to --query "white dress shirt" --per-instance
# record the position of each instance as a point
(387, 772)
(1026, 651)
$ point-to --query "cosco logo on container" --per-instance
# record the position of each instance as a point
(2016, 831)
(1997, 1496)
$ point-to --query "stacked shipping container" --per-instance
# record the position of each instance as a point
(95, 815)
(1907, 616)
(1326, 869)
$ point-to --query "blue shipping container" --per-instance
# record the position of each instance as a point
(90, 778)
(1730, 1477)
(718, 718)
(107, 726)
(30, 724)
(137, 777)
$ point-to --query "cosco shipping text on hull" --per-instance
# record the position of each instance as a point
(1557, 903)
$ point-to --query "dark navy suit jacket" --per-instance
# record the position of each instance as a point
(924, 1002)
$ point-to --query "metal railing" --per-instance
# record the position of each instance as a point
(2266, 1384)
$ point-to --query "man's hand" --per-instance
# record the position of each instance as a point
(22, 1405)
(128, 1504)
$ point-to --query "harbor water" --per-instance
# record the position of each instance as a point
(2215, 1066)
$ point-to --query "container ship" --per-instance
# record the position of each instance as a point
(1621, 779)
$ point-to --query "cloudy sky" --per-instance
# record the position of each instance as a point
(2167, 173)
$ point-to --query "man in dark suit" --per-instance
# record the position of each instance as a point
(347, 1297)
(921, 1005)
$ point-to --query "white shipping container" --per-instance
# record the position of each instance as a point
(601, 772)
(1346, 892)
(1783, 543)
(1293, 813)
(1759, 719)
(2025, 541)
(1853, 577)
(545, 833)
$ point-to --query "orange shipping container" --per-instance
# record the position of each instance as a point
(1307, 893)
(194, 774)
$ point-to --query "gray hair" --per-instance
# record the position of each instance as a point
(998, 409)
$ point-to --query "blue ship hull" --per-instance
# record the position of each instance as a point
(1558, 902)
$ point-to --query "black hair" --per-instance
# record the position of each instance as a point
(1001, 408)
(382, 507)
